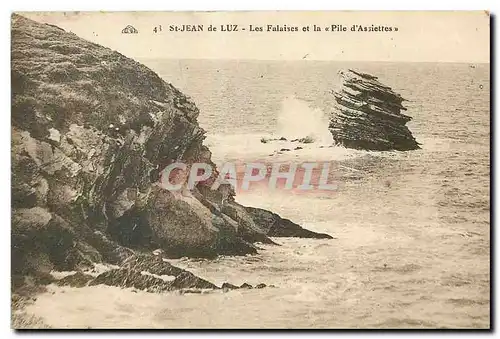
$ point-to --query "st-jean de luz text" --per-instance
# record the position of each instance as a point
(282, 28)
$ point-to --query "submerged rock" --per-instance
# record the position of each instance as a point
(266, 140)
(368, 115)
(307, 140)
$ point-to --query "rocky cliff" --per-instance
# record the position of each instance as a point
(368, 115)
(91, 132)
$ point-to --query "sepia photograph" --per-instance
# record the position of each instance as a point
(250, 170)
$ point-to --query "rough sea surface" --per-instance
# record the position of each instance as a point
(412, 229)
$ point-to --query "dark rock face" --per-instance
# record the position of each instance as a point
(131, 278)
(275, 226)
(111, 251)
(368, 115)
(78, 279)
(246, 225)
(153, 264)
(189, 280)
(229, 286)
(91, 132)
(245, 285)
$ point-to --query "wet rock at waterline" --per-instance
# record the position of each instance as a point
(305, 140)
(78, 279)
(275, 226)
(146, 272)
(367, 115)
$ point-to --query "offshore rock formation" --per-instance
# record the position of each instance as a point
(91, 132)
(368, 115)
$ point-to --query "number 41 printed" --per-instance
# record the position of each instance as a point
(157, 29)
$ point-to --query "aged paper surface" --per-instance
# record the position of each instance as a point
(250, 170)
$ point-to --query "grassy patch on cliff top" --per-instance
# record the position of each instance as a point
(59, 79)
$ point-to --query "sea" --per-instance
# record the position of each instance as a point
(411, 230)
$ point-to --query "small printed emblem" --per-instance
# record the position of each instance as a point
(130, 29)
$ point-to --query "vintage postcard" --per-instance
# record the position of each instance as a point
(270, 170)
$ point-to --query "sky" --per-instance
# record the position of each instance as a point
(424, 36)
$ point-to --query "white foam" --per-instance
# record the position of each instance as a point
(298, 120)
(248, 147)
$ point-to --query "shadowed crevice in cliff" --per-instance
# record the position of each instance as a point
(91, 131)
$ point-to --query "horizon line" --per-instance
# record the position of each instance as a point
(315, 60)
